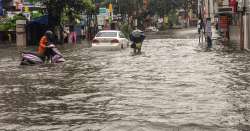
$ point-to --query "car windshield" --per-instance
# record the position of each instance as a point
(106, 34)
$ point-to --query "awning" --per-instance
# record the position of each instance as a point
(43, 20)
(225, 10)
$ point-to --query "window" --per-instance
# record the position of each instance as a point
(106, 34)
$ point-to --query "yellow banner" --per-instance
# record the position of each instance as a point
(110, 7)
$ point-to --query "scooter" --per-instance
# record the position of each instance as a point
(137, 37)
(31, 58)
(137, 48)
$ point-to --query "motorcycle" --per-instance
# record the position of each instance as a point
(137, 47)
(31, 58)
(137, 37)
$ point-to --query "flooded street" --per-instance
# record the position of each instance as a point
(172, 86)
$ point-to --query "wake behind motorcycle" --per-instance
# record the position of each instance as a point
(31, 58)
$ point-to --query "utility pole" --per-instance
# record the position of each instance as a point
(209, 28)
(208, 8)
(242, 31)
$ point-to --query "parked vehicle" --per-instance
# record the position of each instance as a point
(31, 58)
(151, 29)
(110, 39)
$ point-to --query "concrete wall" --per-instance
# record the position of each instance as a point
(234, 33)
(247, 26)
(246, 32)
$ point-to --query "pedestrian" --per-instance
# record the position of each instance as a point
(201, 29)
(65, 36)
(106, 25)
(209, 33)
(72, 34)
(199, 26)
(47, 39)
(83, 34)
(113, 26)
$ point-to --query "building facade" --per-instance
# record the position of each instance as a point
(232, 18)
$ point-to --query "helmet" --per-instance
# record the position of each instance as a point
(49, 35)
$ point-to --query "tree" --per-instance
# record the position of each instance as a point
(163, 7)
(57, 8)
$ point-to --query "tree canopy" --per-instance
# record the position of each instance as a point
(57, 8)
(162, 7)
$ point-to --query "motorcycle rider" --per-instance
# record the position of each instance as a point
(137, 37)
(44, 43)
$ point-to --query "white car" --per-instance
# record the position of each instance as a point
(110, 39)
(151, 29)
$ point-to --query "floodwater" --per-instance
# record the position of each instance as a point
(172, 86)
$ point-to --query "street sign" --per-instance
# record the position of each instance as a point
(100, 19)
(102, 10)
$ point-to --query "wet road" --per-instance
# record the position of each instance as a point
(173, 86)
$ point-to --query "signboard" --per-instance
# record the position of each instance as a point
(100, 19)
(233, 4)
(110, 7)
(247, 6)
(26, 9)
(102, 10)
(27, 15)
(240, 5)
(1, 7)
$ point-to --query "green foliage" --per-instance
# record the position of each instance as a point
(59, 9)
(76, 5)
(163, 7)
(36, 15)
(173, 17)
(4, 27)
(14, 19)
(126, 29)
(11, 23)
(165, 26)
(18, 17)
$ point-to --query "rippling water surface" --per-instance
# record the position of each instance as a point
(172, 86)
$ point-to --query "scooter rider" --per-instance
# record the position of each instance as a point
(137, 37)
(44, 45)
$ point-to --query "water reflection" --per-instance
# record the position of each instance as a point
(172, 86)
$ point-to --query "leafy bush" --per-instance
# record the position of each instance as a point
(126, 29)
(5, 27)
(12, 22)
(36, 14)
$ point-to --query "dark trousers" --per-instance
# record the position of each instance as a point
(209, 42)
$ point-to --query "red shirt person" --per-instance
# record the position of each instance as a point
(47, 38)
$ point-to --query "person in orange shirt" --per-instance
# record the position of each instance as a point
(43, 44)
